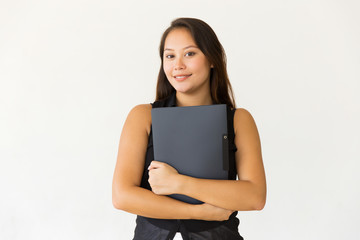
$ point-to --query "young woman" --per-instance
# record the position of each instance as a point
(193, 72)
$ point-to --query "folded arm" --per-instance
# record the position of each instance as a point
(127, 194)
(247, 193)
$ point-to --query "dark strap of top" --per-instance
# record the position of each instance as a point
(232, 146)
(158, 103)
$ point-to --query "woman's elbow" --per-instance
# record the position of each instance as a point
(116, 203)
(118, 199)
(260, 204)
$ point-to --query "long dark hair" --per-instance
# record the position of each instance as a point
(206, 39)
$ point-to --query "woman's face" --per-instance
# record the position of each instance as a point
(185, 66)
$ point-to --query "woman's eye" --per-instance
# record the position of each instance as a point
(190, 54)
(169, 56)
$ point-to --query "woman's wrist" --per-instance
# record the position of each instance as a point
(182, 184)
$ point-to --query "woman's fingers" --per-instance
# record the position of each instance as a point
(155, 164)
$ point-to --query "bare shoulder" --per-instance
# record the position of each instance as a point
(140, 115)
(244, 121)
(141, 109)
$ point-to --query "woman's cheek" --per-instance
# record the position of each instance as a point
(167, 69)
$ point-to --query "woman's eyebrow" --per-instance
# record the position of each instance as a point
(191, 46)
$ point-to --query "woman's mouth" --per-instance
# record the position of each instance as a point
(181, 77)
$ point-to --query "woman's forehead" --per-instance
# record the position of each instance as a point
(179, 38)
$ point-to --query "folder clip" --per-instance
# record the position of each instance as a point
(225, 150)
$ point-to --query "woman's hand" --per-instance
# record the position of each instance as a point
(210, 212)
(163, 178)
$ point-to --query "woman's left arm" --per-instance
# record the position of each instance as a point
(247, 193)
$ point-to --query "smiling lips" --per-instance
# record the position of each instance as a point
(181, 77)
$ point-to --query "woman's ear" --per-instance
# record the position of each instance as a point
(211, 66)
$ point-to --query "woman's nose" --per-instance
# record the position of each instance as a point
(179, 63)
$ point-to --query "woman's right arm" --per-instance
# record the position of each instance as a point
(127, 194)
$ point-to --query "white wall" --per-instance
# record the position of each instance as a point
(71, 71)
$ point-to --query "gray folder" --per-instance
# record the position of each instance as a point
(193, 140)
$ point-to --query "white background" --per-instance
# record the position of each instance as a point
(71, 71)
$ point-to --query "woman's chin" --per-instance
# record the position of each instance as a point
(182, 89)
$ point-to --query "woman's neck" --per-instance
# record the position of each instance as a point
(183, 99)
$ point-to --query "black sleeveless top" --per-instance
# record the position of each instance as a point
(191, 225)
